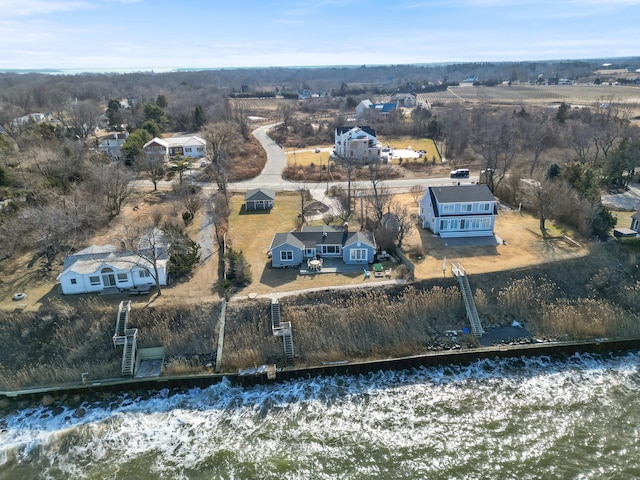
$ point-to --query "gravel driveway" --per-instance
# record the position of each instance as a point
(629, 200)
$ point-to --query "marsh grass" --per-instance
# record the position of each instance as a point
(59, 343)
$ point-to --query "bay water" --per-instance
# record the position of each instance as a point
(534, 418)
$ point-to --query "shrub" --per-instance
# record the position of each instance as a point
(237, 268)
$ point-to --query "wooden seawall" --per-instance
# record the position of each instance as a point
(454, 357)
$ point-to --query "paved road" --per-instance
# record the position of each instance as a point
(271, 175)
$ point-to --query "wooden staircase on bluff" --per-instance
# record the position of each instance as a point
(282, 329)
(121, 323)
(129, 352)
(467, 296)
(127, 337)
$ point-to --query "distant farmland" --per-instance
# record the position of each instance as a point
(576, 95)
(265, 107)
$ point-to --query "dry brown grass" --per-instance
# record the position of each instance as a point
(63, 340)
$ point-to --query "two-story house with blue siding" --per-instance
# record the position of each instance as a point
(459, 211)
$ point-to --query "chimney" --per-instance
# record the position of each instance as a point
(345, 227)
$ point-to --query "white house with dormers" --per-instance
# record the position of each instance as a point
(459, 211)
(404, 99)
(164, 148)
(110, 145)
(101, 267)
(359, 143)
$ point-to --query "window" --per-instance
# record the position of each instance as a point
(467, 207)
(122, 277)
(200, 149)
(144, 273)
(286, 255)
(486, 207)
(73, 281)
(94, 280)
(358, 254)
(331, 249)
(448, 208)
(186, 149)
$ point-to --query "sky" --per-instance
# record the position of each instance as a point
(119, 35)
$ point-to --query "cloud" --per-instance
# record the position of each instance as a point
(28, 8)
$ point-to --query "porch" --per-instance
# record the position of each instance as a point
(331, 265)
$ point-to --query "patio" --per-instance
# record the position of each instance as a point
(332, 265)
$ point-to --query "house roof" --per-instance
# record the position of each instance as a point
(384, 107)
(636, 216)
(94, 258)
(462, 194)
(188, 140)
(260, 194)
(156, 141)
(310, 237)
(403, 94)
(93, 263)
(176, 141)
(366, 129)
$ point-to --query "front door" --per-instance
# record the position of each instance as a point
(108, 279)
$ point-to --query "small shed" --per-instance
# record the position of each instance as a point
(259, 199)
(624, 233)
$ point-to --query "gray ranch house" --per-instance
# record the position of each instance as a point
(259, 199)
(459, 211)
(292, 248)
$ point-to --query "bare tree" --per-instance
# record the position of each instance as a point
(153, 168)
(218, 209)
(497, 142)
(220, 137)
(536, 136)
(416, 192)
(80, 118)
(116, 181)
(305, 199)
(149, 247)
(190, 198)
(581, 135)
(380, 197)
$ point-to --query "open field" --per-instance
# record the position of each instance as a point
(264, 107)
(541, 95)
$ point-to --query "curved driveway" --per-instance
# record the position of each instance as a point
(271, 175)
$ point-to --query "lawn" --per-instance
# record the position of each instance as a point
(308, 156)
(252, 234)
(416, 144)
(523, 246)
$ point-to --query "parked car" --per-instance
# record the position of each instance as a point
(460, 173)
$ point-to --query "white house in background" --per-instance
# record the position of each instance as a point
(111, 144)
(101, 267)
(357, 142)
(366, 106)
(459, 211)
(404, 99)
(163, 148)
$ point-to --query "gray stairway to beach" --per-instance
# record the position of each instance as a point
(129, 351)
(275, 314)
(122, 319)
(287, 341)
(467, 296)
(282, 329)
